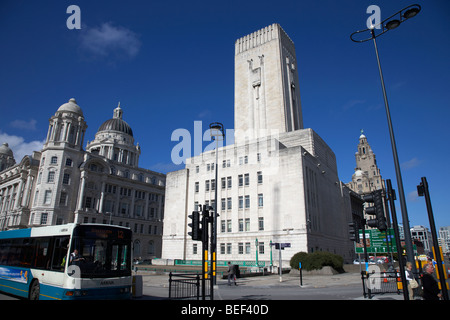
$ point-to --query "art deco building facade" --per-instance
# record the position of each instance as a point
(63, 183)
(278, 183)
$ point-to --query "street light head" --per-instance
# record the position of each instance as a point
(411, 13)
(392, 24)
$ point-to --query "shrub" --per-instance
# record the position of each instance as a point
(317, 260)
(298, 257)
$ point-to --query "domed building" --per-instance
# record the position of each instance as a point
(6, 157)
(64, 183)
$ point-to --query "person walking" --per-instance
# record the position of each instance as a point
(410, 277)
(430, 286)
(231, 274)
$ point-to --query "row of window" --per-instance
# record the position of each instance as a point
(226, 182)
(227, 163)
(138, 194)
(51, 177)
(96, 168)
(243, 225)
(138, 227)
(227, 203)
(243, 202)
(227, 248)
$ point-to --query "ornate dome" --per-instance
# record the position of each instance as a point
(71, 106)
(116, 123)
(6, 150)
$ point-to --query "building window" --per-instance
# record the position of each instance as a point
(223, 183)
(44, 217)
(247, 247)
(260, 224)
(47, 196)
(240, 180)
(66, 178)
(261, 247)
(247, 202)
(54, 160)
(68, 162)
(207, 185)
(194, 249)
(247, 224)
(51, 176)
(247, 179)
(241, 202)
(63, 199)
(229, 203)
(197, 187)
(222, 226)
(228, 225)
(229, 182)
(260, 177)
(241, 224)
(241, 248)
(260, 200)
(223, 204)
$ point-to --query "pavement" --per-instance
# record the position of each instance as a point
(156, 286)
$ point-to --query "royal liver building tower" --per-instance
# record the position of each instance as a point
(278, 183)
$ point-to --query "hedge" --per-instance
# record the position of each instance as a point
(317, 260)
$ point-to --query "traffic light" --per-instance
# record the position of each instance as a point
(377, 209)
(196, 232)
(352, 232)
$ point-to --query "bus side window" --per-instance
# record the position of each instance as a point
(60, 251)
(41, 260)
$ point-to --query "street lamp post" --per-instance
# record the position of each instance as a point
(216, 132)
(388, 24)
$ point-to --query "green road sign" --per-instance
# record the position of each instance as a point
(377, 242)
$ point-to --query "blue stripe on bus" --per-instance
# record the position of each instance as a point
(20, 233)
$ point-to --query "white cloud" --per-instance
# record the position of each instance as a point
(18, 145)
(414, 162)
(24, 125)
(412, 196)
(110, 41)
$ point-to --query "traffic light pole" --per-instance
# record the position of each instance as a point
(205, 218)
(423, 191)
(391, 198)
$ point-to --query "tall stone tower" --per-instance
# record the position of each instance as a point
(277, 183)
(267, 96)
(367, 176)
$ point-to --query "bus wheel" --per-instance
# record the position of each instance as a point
(34, 290)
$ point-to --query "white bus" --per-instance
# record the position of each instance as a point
(72, 261)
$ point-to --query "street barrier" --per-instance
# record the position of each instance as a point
(185, 286)
(380, 283)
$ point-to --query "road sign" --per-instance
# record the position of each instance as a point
(376, 241)
(281, 246)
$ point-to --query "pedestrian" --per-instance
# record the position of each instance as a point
(430, 286)
(412, 283)
(231, 274)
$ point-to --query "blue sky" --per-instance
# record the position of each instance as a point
(171, 63)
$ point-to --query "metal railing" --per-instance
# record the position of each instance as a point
(380, 283)
(185, 286)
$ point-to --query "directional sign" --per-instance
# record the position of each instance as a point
(281, 246)
(376, 241)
